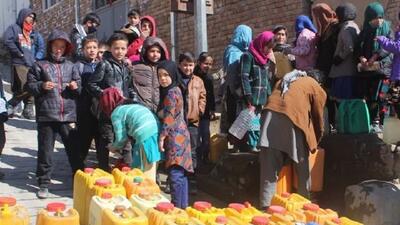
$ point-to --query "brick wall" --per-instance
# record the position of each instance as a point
(60, 15)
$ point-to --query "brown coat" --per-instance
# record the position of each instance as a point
(304, 104)
(196, 100)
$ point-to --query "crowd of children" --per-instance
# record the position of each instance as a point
(130, 98)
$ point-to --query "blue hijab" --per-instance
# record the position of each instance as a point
(240, 42)
(303, 22)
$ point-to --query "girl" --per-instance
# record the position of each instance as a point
(305, 49)
(133, 121)
(174, 135)
(372, 85)
(202, 69)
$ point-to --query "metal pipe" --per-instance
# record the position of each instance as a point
(200, 25)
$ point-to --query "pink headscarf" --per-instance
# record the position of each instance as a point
(257, 45)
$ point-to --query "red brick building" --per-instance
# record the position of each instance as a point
(258, 14)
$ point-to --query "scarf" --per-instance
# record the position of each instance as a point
(110, 99)
(346, 12)
(373, 11)
(172, 69)
(304, 22)
(240, 41)
(289, 78)
(256, 47)
(323, 17)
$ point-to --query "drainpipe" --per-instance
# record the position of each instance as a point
(77, 11)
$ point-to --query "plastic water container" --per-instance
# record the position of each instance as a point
(280, 215)
(139, 184)
(204, 211)
(291, 202)
(315, 214)
(342, 221)
(106, 201)
(244, 212)
(218, 145)
(223, 220)
(125, 172)
(166, 213)
(284, 182)
(11, 213)
(83, 182)
(391, 130)
(147, 200)
(122, 215)
(56, 213)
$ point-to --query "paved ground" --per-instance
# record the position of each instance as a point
(18, 162)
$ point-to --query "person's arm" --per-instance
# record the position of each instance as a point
(389, 45)
(168, 114)
(119, 129)
(383, 53)
(10, 41)
(76, 80)
(40, 47)
(97, 77)
(303, 45)
(318, 100)
(34, 83)
(245, 70)
(202, 98)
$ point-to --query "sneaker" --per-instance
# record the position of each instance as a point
(43, 193)
(28, 112)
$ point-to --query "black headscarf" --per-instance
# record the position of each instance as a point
(172, 69)
(346, 12)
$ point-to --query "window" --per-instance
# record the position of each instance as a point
(49, 3)
(102, 3)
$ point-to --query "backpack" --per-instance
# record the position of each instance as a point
(353, 117)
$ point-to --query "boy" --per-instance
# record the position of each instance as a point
(55, 84)
(145, 77)
(80, 31)
(20, 42)
(195, 103)
(87, 119)
(102, 51)
(111, 72)
(132, 28)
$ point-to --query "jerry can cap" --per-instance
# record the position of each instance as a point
(311, 207)
(106, 195)
(126, 169)
(336, 220)
(88, 170)
(221, 220)
(237, 206)
(55, 206)
(202, 205)
(165, 207)
(276, 209)
(103, 182)
(10, 201)
(285, 194)
(137, 180)
(259, 220)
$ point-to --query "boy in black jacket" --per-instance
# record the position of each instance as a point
(111, 72)
(55, 84)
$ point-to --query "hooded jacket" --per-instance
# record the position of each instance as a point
(135, 47)
(58, 104)
(12, 36)
(77, 35)
(344, 63)
(145, 79)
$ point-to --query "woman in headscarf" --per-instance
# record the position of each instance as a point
(305, 49)
(344, 66)
(328, 29)
(374, 61)
(240, 42)
(133, 121)
(285, 135)
(257, 71)
(174, 137)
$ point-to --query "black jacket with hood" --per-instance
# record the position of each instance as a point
(19, 55)
(58, 104)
